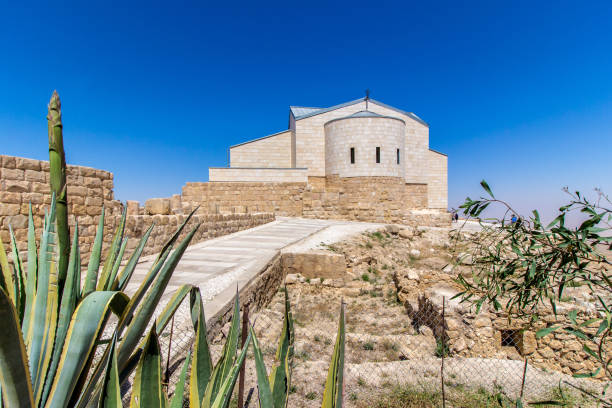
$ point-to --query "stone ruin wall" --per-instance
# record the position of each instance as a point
(489, 334)
(24, 181)
(371, 199)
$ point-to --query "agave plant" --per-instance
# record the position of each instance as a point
(54, 326)
(274, 389)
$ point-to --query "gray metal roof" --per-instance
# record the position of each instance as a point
(364, 114)
(303, 112)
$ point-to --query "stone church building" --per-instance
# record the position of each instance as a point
(361, 160)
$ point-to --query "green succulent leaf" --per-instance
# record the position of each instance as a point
(14, 373)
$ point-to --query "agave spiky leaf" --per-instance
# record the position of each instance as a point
(67, 306)
(91, 277)
(266, 400)
(111, 389)
(274, 391)
(112, 254)
(139, 323)
(228, 357)
(224, 394)
(334, 386)
(115, 269)
(280, 376)
(18, 276)
(41, 332)
(14, 374)
(201, 366)
(126, 273)
(171, 307)
(179, 389)
(147, 389)
(57, 178)
(85, 328)
(7, 281)
(30, 286)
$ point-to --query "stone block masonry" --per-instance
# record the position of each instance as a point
(26, 181)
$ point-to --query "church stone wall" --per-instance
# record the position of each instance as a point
(364, 135)
(242, 174)
(284, 199)
(271, 151)
(437, 174)
(310, 140)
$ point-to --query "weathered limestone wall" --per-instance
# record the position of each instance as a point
(270, 175)
(24, 181)
(364, 135)
(283, 199)
(373, 199)
(437, 180)
(270, 151)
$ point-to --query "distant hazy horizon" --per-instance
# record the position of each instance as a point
(518, 94)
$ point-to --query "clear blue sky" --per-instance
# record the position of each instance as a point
(518, 93)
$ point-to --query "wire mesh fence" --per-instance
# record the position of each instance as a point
(385, 362)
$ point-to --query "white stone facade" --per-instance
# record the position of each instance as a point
(318, 144)
(269, 175)
(364, 136)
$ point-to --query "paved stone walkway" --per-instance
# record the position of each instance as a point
(221, 263)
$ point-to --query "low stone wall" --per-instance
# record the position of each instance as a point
(212, 226)
(24, 181)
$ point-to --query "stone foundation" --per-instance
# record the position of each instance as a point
(370, 199)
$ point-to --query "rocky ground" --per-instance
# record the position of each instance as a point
(385, 347)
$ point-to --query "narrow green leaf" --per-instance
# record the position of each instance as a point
(94, 259)
(85, 327)
(263, 384)
(334, 386)
(138, 325)
(202, 366)
(147, 389)
(543, 332)
(6, 279)
(224, 395)
(179, 389)
(280, 375)
(112, 253)
(170, 309)
(67, 306)
(111, 389)
(18, 276)
(14, 374)
(125, 275)
(228, 356)
(111, 280)
(31, 278)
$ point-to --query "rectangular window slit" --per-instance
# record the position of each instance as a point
(398, 157)
(377, 154)
(352, 155)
